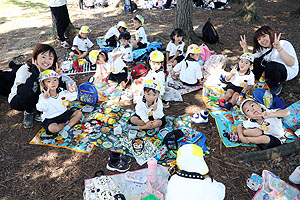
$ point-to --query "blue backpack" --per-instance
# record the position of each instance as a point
(88, 93)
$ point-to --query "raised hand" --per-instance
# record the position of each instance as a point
(72, 88)
(243, 42)
(155, 104)
(46, 93)
(58, 69)
(276, 43)
(35, 63)
(233, 71)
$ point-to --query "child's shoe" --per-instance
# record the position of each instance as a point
(200, 117)
(116, 163)
(38, 117)
(295, 176)
(125, 158)
(228, 105)
(65, 44)
(63, 133)
(28, 120)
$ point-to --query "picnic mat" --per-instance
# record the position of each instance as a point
(111, 92)
(132, 190)
(227, 123)
(183, 89)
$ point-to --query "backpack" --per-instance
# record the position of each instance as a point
(7, 79)
(88, 93)
(139, 71)
(205, 53)
(209, 33)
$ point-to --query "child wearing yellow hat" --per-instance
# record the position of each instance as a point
(149, 108)
(140, 41)
(112, 35)
(81, 43)
(53, 102)
(241, 79)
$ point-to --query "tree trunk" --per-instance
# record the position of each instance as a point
(296, 13)
(272, 153)
(248, 12)
(184, 20)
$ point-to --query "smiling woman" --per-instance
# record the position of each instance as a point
(25, 91)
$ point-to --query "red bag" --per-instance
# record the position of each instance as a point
(139, 71)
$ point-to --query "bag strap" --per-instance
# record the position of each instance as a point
(91, 79)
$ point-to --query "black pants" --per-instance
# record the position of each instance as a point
(80, 4)
(198, 2)
(168, 4)
(24, 103)
(274, 72)
(112, 41)
(62, 20)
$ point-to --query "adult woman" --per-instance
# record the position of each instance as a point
(277, 58)
(25, 92)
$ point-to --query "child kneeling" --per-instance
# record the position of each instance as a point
(53, 102)
(149, 109)
(263, 127)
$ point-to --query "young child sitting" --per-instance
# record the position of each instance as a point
(263, 127)
(175, 47)
(125, 48)
(112, 35)
(110, 64)
(140, 41)
(149, 108)
(81, 43)
(53, 102)
(241, 79)
(189, 69)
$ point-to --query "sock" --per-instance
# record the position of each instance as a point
(133, 127)
(67, 127)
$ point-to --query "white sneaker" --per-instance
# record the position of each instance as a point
(63, 133)
(200, 117)
(65, 44)
(295, 176)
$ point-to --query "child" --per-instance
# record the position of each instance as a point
(140, 41)
(190, 70)
(156, 64)
(110, 64)
(263, 127)
(112, 35)
(241, 79)
(125, 48)
(175, 47)
(149, 108)
(53, 102)
(81, 43)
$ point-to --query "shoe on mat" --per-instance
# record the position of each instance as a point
(200, 117)
(120, 166)
(28, 120)
(125, 158)
(276, 90)
(63, 133)
(222, 103)
(65, 44)
(38, 117)
(295, 176)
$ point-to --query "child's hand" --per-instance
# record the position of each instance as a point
(155, 104)
(46, 93)
(72, 88)
(58, 69)
(266, 115)
(233, 71)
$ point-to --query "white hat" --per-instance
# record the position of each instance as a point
(190, 159)
(242, 104)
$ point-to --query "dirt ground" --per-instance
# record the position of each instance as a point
(42, 172)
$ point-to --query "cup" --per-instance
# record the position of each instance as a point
(132, 134)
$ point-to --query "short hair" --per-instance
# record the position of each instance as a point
(260, 32)
(177, 31)
(146, 89)
(125, 36)
(135, 18)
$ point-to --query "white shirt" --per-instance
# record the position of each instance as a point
(126, 52)
(115, 66)
(242, 80)
(144, 112)
(140, 33)
(21, 77)
(82, 44)
(270, 126)
(159, 76)
(190, 71)
(180, 188)
(112, 31)
(172, 48)
(55, 106)
(292, 71)
(57, 3)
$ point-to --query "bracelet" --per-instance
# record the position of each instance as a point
(280, 49)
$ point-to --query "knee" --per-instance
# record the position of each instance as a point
(78, 113)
